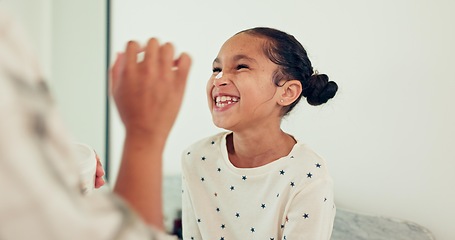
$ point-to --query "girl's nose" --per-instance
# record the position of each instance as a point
(219, 80)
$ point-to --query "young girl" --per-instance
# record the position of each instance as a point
(256, 181)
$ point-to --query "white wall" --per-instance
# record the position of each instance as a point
(389, 132)
(69, 40)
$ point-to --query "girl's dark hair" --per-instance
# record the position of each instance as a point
(293, 64)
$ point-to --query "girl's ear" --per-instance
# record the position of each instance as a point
(290, 91)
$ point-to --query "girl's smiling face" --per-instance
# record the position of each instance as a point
(240, 92)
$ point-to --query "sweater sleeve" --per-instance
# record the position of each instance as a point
(312, 212)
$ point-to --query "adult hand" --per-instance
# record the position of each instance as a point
(148, 93)
(99, 180)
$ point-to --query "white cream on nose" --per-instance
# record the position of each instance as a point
(219, 75)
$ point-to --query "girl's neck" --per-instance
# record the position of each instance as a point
(254, 150)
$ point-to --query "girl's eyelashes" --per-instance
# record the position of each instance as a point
(240, 66)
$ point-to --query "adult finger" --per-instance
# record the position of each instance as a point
(99, 166)
(183, 65)
(151, 55)
(166, 58)
(99, 182)
(99, 170)
(130, 64)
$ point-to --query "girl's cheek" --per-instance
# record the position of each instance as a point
(209, 89)
(209, 85)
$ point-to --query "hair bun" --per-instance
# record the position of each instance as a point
(319, 89)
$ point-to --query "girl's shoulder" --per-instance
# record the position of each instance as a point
(304, 158)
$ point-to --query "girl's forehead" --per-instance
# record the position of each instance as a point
(244, 39)
(244, 44)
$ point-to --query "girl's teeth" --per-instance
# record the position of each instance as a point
(226, 98)
(222, 101)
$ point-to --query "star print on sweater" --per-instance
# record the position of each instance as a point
(291, 197)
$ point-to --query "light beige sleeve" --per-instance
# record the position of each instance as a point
(312, 212)
(39, 182)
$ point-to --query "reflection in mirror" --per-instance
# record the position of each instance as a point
(72, 52)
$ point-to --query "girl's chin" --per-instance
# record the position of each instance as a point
(221, 124)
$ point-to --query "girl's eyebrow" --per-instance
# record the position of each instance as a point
(237, 58)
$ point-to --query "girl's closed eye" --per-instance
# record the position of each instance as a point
(216, 70)
(242, 66)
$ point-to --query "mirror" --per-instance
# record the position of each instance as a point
(69, 39)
